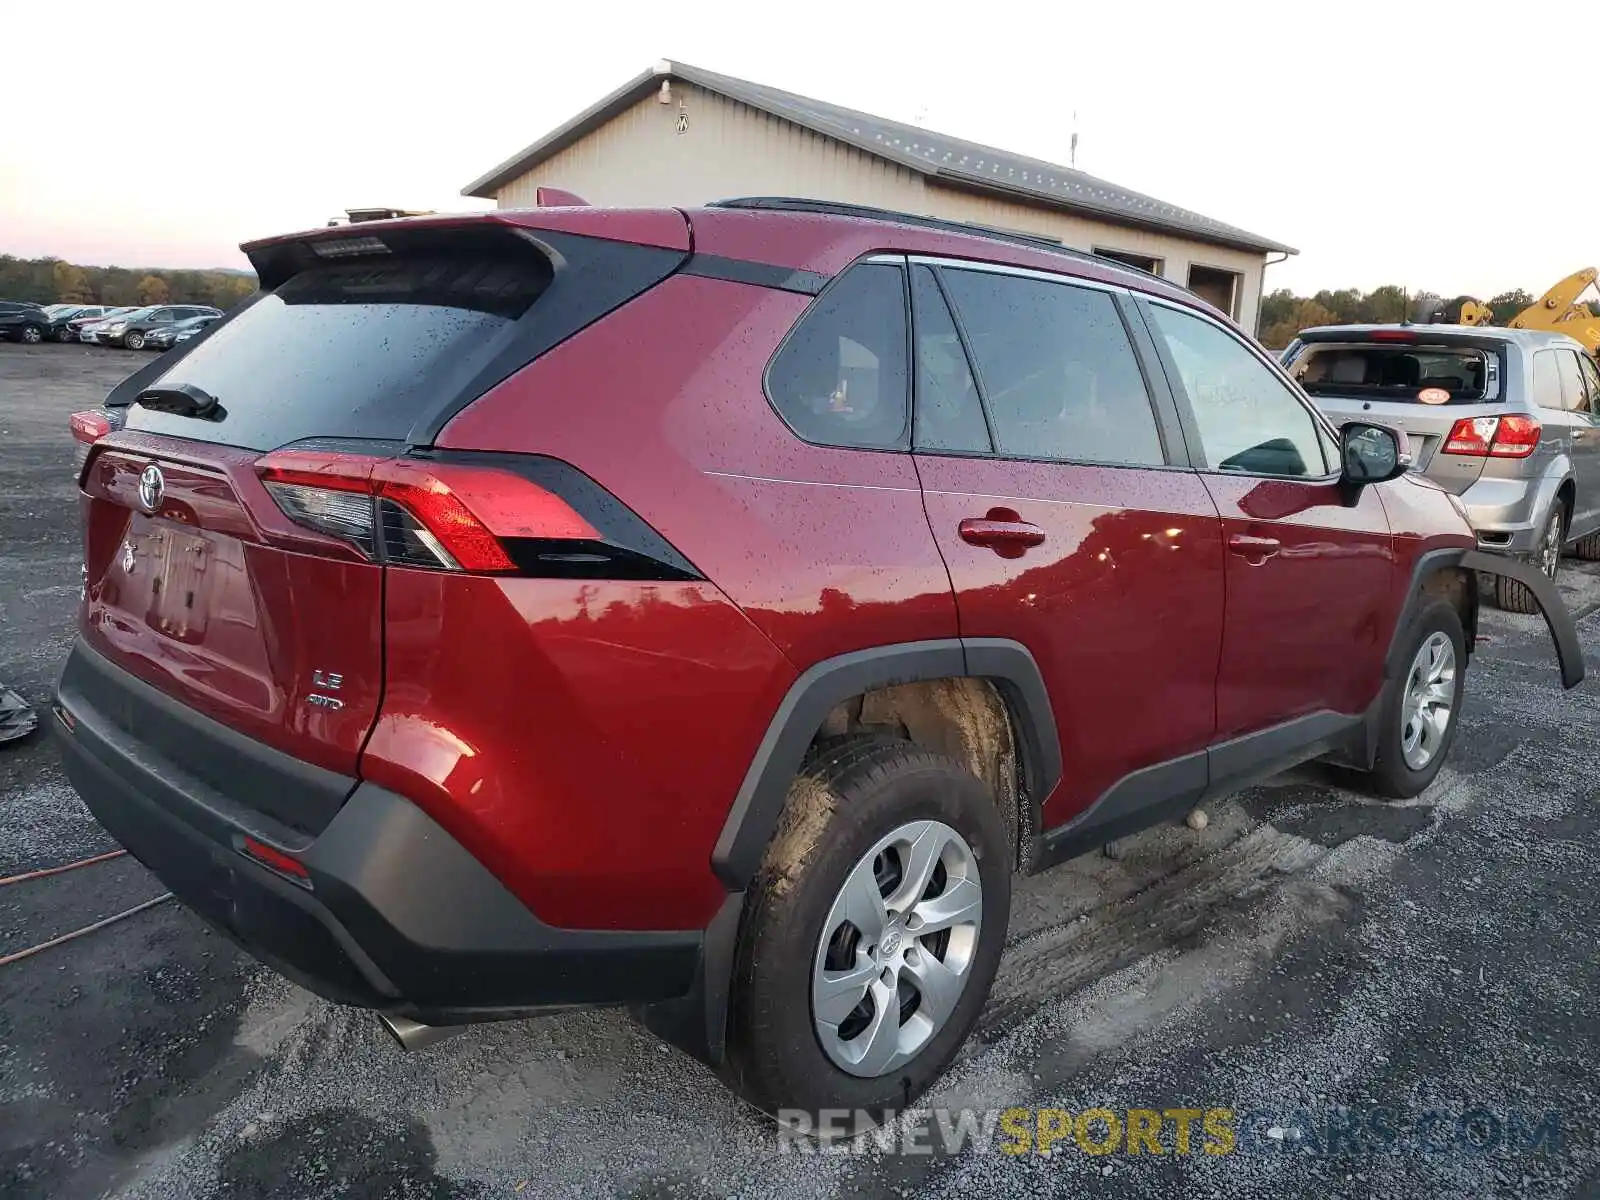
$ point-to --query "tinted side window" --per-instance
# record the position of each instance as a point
(1546, 380)
(949, 413)
(1057, 370)
(1249, 420)
(1572, 390)
(840, 378)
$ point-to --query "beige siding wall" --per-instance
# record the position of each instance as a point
(729, 149)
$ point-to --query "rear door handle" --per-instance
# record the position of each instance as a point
(1002, 531)
(1255, 550)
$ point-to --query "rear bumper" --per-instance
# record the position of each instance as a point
(397, 915)
(1507, 514)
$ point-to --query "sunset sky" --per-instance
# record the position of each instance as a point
(1390, 147)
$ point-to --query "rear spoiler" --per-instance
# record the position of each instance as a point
(1399, 335)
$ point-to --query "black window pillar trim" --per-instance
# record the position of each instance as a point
(756, 809)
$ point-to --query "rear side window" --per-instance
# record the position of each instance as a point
(1572, 387)
(1403, 372)
(1056, 369)
(840, 378)
(1546, 380)
(354, 349)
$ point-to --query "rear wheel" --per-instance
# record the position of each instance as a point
(1516, 597)
(133, 340)
(1421, 707)
(871, 933)
(1587, 548)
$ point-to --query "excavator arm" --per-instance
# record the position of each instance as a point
(1559, 311)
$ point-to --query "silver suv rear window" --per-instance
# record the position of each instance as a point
(1403, 371)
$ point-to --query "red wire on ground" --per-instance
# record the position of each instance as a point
(72, 866)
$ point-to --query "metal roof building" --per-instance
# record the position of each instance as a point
(679, 135)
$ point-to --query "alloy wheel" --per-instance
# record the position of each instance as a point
(1550, 546)
(1429, 701)
(31, 335)
(897, 948)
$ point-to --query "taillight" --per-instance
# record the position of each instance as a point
(1516, 438)
(1497, 437)
(469, 515)
(88, 427)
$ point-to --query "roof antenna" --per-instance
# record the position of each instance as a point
(1073, 160)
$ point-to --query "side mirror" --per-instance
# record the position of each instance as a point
(1371, 454)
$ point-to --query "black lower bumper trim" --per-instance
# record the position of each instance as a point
(399, 916)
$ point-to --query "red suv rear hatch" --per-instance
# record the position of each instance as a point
(224, 570)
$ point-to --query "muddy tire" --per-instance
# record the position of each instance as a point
(1422, 705)
(871, 932)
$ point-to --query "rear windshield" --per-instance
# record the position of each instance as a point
(357, 349)
(1424, 374)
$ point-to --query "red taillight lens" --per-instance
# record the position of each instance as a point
(89, 427)
(415, 513)
(1499, 437)
(1471, 435)
(1516, 439)
(1391, 335)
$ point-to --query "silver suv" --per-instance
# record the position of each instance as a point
(1506, 419)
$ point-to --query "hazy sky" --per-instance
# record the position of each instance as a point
(1453, 152)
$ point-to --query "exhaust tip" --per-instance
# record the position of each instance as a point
(414, 1035)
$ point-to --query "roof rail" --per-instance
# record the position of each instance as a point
(838, 208)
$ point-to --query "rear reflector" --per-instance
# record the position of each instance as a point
(276, 860)
(1497, 437)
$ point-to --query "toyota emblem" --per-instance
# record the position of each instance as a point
(152, 487)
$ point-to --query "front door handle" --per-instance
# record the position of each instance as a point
(1254, 550)
(1002, 531)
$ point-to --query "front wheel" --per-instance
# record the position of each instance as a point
(133, 340)
(31, 335)
(1421, 707)
(871, 933)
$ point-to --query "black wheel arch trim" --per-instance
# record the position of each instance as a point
(756, 809)
(1563, 632)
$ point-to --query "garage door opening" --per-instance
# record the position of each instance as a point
(1144, 262)
(1217, 287)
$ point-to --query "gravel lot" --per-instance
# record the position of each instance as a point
(1307, 950)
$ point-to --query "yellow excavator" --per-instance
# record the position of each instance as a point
(1558, 311)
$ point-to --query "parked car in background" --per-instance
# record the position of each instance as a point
(86, 329)
(973, 554)
(166, 336)
(1505, 420)
(23, 321)
(131, 329)
(63, 315)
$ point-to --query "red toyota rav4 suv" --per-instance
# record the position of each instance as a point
(709, 610)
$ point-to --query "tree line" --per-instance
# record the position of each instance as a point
(1283, 314)
(53, 280)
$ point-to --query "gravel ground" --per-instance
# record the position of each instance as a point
(1308, 952)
